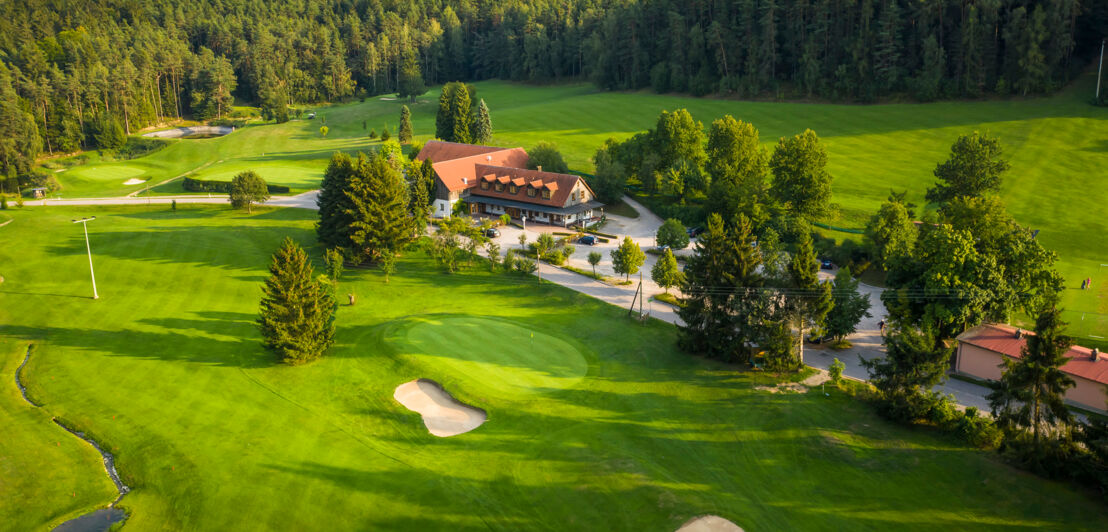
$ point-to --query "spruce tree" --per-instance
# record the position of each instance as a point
(380, 222)
(333, 228)
(444, 120)
(720, 277)
(808, 301)
(405, 133)
(419, 203)
(1031, 393)
(297, 318)
(460, 107)
(482, 124)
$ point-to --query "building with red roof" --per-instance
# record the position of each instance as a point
(983, 349)
(496, 181)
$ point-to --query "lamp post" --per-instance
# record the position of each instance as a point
(84, 222)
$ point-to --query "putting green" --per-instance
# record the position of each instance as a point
(501, 356)
(108, 172)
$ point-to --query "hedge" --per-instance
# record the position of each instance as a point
(224, 187)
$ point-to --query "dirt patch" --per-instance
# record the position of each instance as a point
(442, 414)
(709, 523)
(817, 379)
(788, 387)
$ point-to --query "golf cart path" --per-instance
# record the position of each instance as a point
(866, 341)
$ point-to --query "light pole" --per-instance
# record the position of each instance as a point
(84, 222)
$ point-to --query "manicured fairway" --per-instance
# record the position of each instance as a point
(167, 370)
(1054, 144)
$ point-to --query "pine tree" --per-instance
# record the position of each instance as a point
(333, 228)
(419, 203)
(405, 133)
(410, 85)
(723, 269)
(460, 108)
(380, 222)
(914, 363)
(482, 124)
(444, 120)
(1031, 393)
(810, 301)
(297, 318)
(849, 308)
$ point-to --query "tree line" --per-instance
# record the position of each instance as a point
(72, 77)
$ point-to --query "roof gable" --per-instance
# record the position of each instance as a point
(1002, 339)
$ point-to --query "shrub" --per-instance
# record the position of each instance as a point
(526, 266)
(836, 370)
(224, 187)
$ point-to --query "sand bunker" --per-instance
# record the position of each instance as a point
(443, 415)
(791, 387)
(709, 523)
(134, 181)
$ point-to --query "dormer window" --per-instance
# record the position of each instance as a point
(530, 192)
(484, 185)
(513, 189)
(545, 194)
(499, 187)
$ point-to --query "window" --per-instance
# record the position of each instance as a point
(484, 185)
(512, 189)
(442, 207)
(545, 194)
(500, 187)
(531, 192)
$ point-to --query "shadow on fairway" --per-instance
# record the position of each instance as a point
(184, 346)
(239, 248)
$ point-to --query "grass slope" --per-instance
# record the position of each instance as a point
(1055, 146)
(48, 475)
(616, 430)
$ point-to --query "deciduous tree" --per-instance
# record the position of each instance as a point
(248, 188)
(666, 273)
(627, 258)
(849, 306)
(973, 169)
(546, 155)
(672, 233)
(801, 181)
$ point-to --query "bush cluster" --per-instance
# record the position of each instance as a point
(224, 187)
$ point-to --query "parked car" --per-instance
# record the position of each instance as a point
(817, 338)
(662, 249)
(826, 264)
(492, 232)
(588, 240)
(694, 232)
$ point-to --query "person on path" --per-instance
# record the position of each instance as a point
(1083, 282)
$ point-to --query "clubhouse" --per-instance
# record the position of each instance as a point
(496, 181)
(983, 349)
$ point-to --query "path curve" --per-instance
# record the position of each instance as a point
(109, 459)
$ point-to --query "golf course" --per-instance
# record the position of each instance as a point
(1054, 145)
(593, 421)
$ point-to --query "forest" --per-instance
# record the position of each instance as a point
(85, 73)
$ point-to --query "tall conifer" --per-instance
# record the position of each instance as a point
(482, 124)
(297, 318)
(460, 105)
(404, 135)
(333, 228)
(380, 222)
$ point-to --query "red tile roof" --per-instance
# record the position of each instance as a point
(1002, 339)
(455, 163)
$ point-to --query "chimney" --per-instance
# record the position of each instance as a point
(465, 180)
(1019, 333)
(1096, 354)
(488, 158)
(540, 167)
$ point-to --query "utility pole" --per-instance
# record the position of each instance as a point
(84, 222)
(1099, 69)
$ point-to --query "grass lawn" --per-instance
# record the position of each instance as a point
(599, 424)
(1055, 146)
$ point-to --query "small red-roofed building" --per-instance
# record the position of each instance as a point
(983, 349)
(496, 181)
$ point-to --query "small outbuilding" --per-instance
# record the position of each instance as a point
(38, 193)
(983, 349)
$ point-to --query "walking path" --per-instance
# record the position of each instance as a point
(867, 342)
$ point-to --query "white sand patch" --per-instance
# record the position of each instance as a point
(387, 99)
(443, 415)
(134, 181)
(709, 523)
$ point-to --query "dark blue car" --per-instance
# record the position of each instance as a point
(588, 240)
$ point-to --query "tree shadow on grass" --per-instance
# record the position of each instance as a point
(226, 246)
(170, 346)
